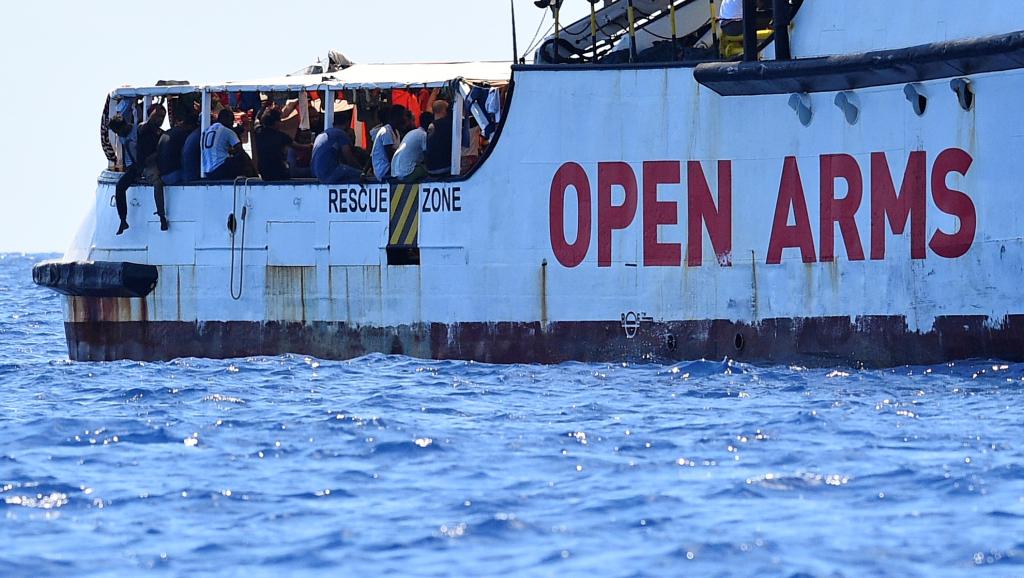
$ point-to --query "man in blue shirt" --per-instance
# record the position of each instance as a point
(169, 151)
(191, 156)
(333, 160)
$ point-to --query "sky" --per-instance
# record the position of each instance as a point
(62, 57)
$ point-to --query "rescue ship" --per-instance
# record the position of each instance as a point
(842, 188)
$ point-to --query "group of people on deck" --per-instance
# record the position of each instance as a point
(173, 157)
(400, 148)
(162, 158)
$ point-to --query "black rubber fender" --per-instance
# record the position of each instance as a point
(96, 279)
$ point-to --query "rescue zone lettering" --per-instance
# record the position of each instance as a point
(374, 199)
(358, 200)
(441, 199)
(891, 209)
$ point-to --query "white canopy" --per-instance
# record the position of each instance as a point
(358, 76)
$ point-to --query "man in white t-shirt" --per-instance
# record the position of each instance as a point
(407, 166)
(730, 17)
(223, 157)
(387, 140)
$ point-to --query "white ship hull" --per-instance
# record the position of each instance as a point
(624, 213)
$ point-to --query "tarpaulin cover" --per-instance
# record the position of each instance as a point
(362, 76)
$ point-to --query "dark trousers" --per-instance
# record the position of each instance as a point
(131, 174)
(153, 177)
(732, 28)
(236, 166)
(129, 178)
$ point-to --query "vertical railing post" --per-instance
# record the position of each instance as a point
(749, 30)
(593, 30)
(456, 111)
(631, 14)
(675, 27)
(714, 22)
(205, 123)
(780, 15)
(558, 24)
(327, 105)
(515, 40)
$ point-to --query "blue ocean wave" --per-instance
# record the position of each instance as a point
(295, 466)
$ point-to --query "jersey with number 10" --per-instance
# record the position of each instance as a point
(217, 142)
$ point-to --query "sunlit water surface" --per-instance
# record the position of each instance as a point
(293, 466)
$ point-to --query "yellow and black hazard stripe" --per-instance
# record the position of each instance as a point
(404, 213)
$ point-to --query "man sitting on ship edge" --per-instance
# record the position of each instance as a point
(149, 140)
(169, 151)
(439, 142)
(386, 142)
(407, 166)
(333, 161)
(132, 169)
(300, 159)
(191, 155)
(140, 160)
(223, 157)
(272, 146)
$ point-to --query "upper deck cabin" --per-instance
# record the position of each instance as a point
(619, 34)
(365, 89)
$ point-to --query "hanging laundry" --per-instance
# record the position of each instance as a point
(359, 127)
(126, 108)
(368, 105)
(493, 108)
(409, 101)
(486, 102)
(108, 148)
(427, 98)
(303, 108)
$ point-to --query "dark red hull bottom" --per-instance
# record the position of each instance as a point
(870, 341)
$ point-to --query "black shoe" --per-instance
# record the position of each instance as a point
(164, 224)
(123, 227)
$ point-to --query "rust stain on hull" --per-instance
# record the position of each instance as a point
(824, 341)
(286, 288)
(108, 309)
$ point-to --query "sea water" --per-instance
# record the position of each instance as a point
(294, 466)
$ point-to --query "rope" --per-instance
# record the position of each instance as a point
(232, 228)
(536, 35)
(541, 41)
